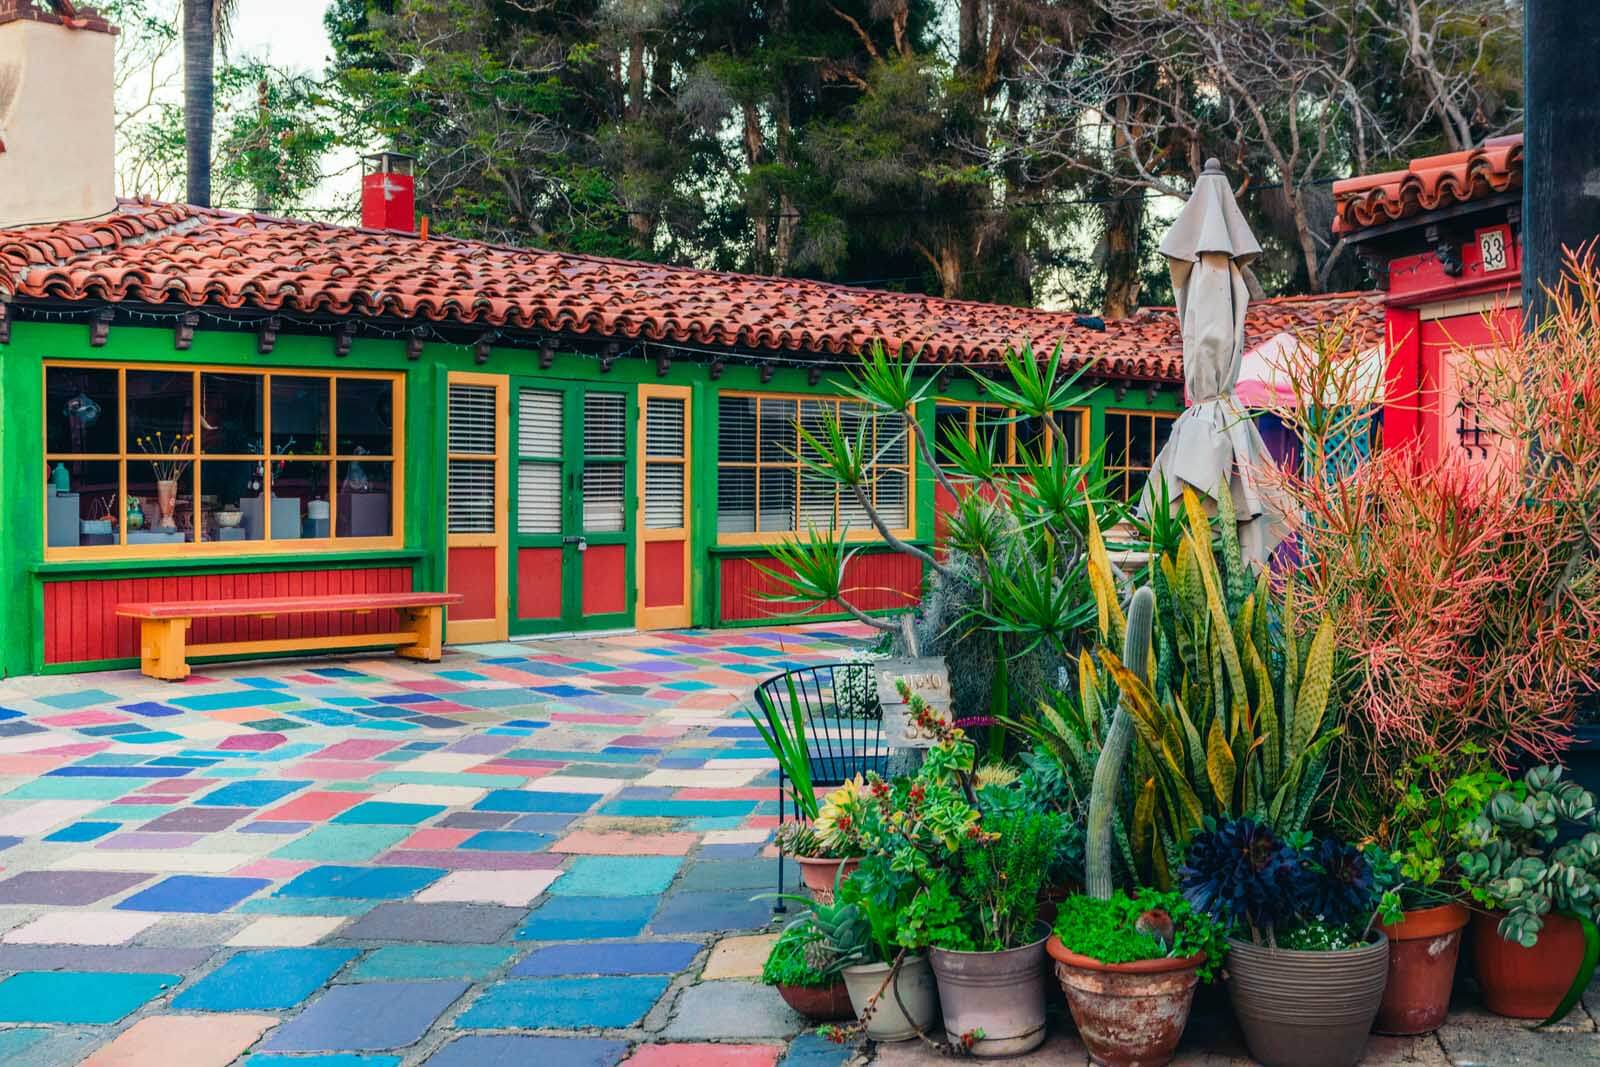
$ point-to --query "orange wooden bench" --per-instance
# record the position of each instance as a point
(164, 648)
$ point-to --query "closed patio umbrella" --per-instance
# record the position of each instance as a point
(1214, 443)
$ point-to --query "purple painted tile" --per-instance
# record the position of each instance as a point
(138, 839)
(133, 959)
(486, 744)
(251, 742)
(267, 826)
(67, 887)
(372, 1015)
(476, 820)
(472, 861)
(197, 820)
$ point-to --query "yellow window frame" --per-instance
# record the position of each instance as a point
(196, 457)
(1129, 471)
(767, 537)
(1008, 431)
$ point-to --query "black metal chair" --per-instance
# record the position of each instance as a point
(843, 723)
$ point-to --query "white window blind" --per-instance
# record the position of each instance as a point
(663, 427)
(539, 498)
(539, 424)
(472, 419)
(605, 424)
(603, 498)
(663, 496)
(470, 496)
(665, 463)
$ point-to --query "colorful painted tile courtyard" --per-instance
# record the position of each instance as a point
(538, 853)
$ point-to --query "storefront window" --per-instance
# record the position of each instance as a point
(1133, 439)
(763, 487)
(977, 422)
(143, 460)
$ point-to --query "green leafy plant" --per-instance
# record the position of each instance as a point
(1151, 926)
(1415, 853)
(801, 956)
(785, 735)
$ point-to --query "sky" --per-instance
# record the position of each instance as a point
(289, 33)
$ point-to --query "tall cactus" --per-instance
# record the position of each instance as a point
(1105, 794)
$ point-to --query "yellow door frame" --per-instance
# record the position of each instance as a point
(473, 631)
(678, 615)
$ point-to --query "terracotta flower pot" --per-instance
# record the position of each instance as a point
(825, 1004)
(1307, 1009)
(1000, 993)
(818, 874)
(1525, 983)
(1128, 1014)
(1423, 948)
(916, 991)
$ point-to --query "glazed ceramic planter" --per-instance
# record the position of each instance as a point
(1525, 983)
(1128, 1014)
(819, 875)
(1423, 948)
(824, 1004)
(1000, 993)
(913, 999)
(1307, 1009)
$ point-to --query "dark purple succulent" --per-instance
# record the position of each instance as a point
(1241, 872)
(1340, 888)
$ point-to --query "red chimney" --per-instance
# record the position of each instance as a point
(388, 193)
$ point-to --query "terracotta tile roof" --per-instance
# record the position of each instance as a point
(1427, 184)
(166, 253)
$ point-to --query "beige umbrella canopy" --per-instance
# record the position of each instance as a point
(1215, 443)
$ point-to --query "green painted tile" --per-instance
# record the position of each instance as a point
(47, 788)
(305, 906)
(617, 876)
(343, 844)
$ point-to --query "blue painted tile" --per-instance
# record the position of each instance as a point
(387, 813)
(708, 911)
(519, 800)
(617, 876)
(432, 961)
(563, 1003)
(204, 893)
(506, 841)
(363, 883)
(257, 793)
(608, 958)
(228, 701)
(263, 980)
(334, 1059)
(76, 996)
(587, 918)
(370, 1016)
(83, 831)
(518, 1050)
(541, 823)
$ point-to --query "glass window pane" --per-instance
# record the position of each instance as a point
(306, 484)
(777, 499)
(736, 499)
(470, 496)
(891, 499)
(366, 416)
(539, 498)
(167, 504)
(664, 426)
(736, 430)
(605, 424)
(229, 489)
(602, 498)
(160, 411)
(813, 413)
(892, 440)
(1163, 430)
(230, 414)
(777, 431)
(366, 501)
(1031, 433)
(950, 423)
(472, 421)
(1071, 423)
(993, 425)
(1141, 451)
(817, 499)
(663, 496)
(81, 410)
(299, 416)
(1116, 449)
(539, 423)
(87, 513)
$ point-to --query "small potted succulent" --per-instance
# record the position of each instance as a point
(1422, 909)
(1535, 945)
(1306, 968)
(1129, 966)
(804, 965)
(828, 847)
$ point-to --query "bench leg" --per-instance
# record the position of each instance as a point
(428, 624)
(163, 648)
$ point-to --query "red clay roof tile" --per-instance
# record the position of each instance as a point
(1428, 184)
(161, 253)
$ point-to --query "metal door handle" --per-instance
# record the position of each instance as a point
(580, 541)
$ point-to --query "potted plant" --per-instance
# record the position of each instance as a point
(1535, 947)
(1129, 966)
(803, 965)
(1306, 968)
(985, 942)
(829, 847)
(1421, 906)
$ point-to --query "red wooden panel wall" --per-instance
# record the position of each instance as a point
(874, 581)
(80, 621)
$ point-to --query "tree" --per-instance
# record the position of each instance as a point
(205, 25)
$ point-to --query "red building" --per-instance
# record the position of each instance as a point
(1444, 239)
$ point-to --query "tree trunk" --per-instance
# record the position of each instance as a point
(199, 101)
(1122, 219)
(787, 221)
(635, 106)
(1308, 243)
(760, 202)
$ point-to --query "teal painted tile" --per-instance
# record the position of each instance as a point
(678, 809)
(432, 961)
(617, 876)
(471, 781)
(716, 822)
(48, 788)
(343, 843)
(387, 813)
(14, 1044)
(77, 996)
(564, 1003)
(271, 979)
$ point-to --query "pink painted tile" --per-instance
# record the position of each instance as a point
(314, 806)
(514, 770)
(761, 822)
(150, 798)
(357, 749)
(630, 678)
(271, 868)
(436, 837)
(743, 793)
(29, 764)
(614, 720)
(86, 748)
(179, 787)
(254, 742)
(211, 1040)
(336, 770)
(86, 717)
(588, 843)
(677, 1055)
(137, 839)
(436, 685)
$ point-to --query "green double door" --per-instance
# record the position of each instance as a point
(573, 505)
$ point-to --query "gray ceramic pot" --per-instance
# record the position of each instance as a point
(1001, 993)
(916, 990)
(1307, 1009)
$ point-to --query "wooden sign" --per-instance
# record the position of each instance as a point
(927, 678)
